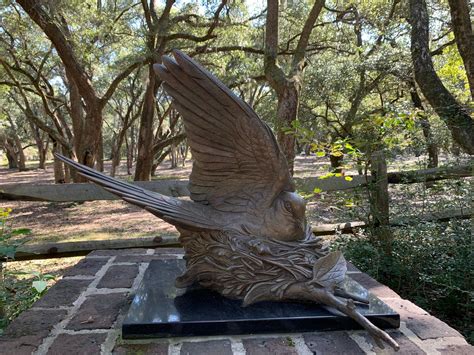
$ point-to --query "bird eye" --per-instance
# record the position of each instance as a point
(288, 206)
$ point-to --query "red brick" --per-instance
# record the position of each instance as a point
(33, 322)
(407, 347)
(212, 347)
(118, 276)
(142, 258)
(26, 332)
(24, 345)
(269, 346)
(405, 308)
(86, 344)
(332, 343)
(142, 349)
(429, 327)
(456, 350)
(99, 311)
(87, 267)
(63, 293)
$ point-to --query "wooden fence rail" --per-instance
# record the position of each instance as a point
(178, 188)
(30, 251)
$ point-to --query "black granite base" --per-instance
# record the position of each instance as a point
(159, 309)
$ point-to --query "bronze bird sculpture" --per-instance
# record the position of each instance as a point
(244, 231)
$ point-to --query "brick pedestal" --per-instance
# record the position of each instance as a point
(82, 314)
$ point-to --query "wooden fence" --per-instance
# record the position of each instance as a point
(377, 184)
(178, 188)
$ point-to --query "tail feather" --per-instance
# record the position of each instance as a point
(185, 214)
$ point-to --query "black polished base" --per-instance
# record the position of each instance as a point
(159, 310)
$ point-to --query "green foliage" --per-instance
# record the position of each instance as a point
(9, 240)
(18, 290)
(450, 69)
(431, 265)
(40, 283)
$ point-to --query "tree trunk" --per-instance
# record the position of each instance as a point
(87, 152)
(380, 202)
(20, 153)
(8, 146)
(15, 142)
(455, 116)
(87, 149)
(159, 160)
(455, 149)
(462, 27)
(116, 149)
(174, 156)
(12, 159)
(183, 152)
(89, 143)
(115, 159)
(286, 114)
(431, 146)
(42, 150)
(77, 113)
(287, 87)
(42, 158)
(130, 150)
(145, 137)
(59, 176)
(100, 153)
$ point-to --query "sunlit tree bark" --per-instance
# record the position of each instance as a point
(456, 117)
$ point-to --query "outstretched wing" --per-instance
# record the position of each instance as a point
(180, 213)
(238, 165)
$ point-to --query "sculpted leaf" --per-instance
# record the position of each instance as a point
(330, 270)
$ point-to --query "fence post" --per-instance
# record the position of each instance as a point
(379, 201)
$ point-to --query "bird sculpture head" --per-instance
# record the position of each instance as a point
(289, 210)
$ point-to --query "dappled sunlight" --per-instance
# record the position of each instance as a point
(82, 221)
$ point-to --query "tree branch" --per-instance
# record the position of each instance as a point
(209, 34)
(29, 112)
(273, 71)
(441, 48)
(298, 59)
(62, 45)
(113, 86)
(168, 141)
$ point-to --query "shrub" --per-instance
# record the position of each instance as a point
(18, 290)
(431, 264)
